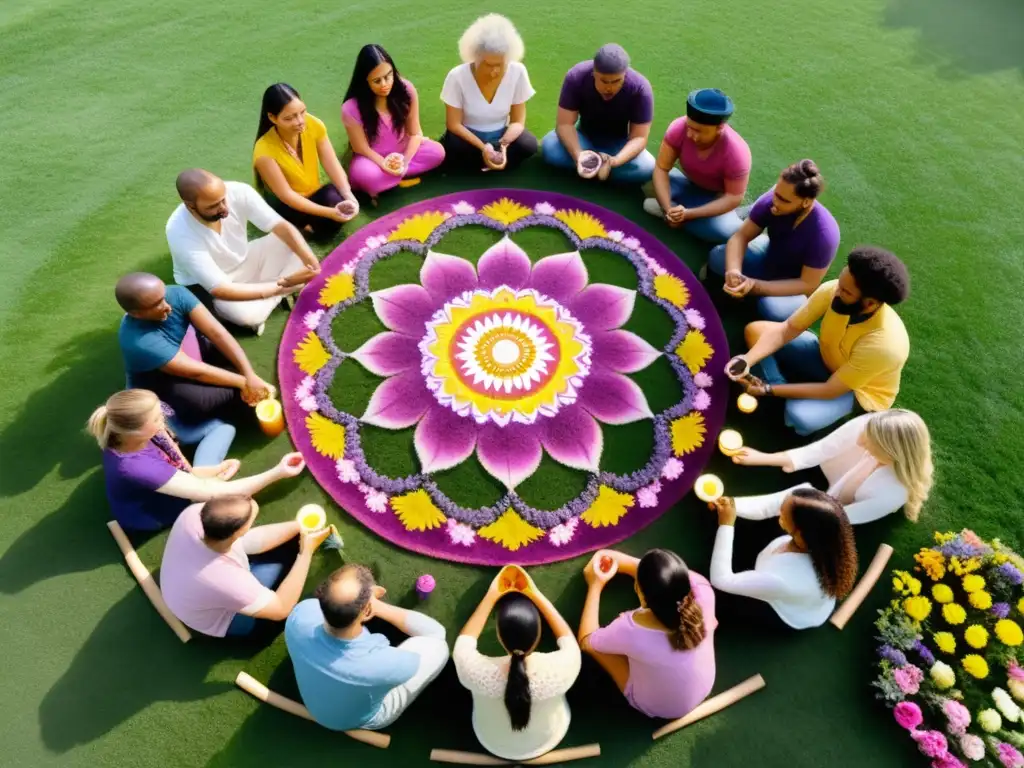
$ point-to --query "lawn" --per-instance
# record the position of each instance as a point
(914, 109)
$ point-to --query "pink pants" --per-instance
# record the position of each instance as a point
(366, 176)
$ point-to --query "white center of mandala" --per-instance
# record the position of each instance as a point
(506, 352)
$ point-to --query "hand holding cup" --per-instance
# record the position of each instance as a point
(588, 164)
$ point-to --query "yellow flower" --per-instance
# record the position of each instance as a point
(1020, 605)
(942, 593)
(973, 583)
(608, 508)
(933, 563)
(914, 585)
(1009, 633)
(583, 224)
(510, 531)
(980, 600)
(976, 636)
(310, 355)
(688, 433)
(506, 211)
(917, 608)
(945, 641)
(417, 511)
(953, 614)
(942, 538)
(328, 438)
(418, 227)
(975, 666)
(337, 289)
(672, 289)
(694, 351)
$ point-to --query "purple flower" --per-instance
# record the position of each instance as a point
(894, 656)
(923, 651)
(1009, 572)
(1000, 610)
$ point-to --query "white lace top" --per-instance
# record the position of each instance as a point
(551, 675)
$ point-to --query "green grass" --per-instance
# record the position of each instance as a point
(913, 109)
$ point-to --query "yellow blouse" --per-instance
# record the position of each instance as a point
(303, 176)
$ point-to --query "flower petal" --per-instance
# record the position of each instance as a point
(511, 453)
(622, 351)
(404, 308)
(573, 438)
(504, 263)
(444, 439)
(446, 276)
(398, 402)
(602, 307)
(561, 276)
(614, 398)
(388, 353)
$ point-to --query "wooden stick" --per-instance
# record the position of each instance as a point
(550, 758)
(713, 705)
(258, 690)
(863, 588)
(147, 582)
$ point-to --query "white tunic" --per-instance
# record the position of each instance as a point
(462, 92)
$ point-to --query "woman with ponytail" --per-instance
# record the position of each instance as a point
(519, 706)
(149, 481)
(875, 465)
(662, 654)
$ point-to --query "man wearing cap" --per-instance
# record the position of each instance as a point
(715, 163)
(606, 107)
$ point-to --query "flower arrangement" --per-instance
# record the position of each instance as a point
(950, 651)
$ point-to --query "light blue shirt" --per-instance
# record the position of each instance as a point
(342, 682)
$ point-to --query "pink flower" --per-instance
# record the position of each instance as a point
(695, 319)
(544, 209)
(1015, 671)
(1009, 756)
(347, 472)
(972, 746)
(931, 743)
(615, 236)
(376, 241)
(462, 208)
(949, 761)
(562, 534)
(648, 496)
(460, 533)
(908, 678)
(631, 242)
(958, 717)
(654, 266)
(970, 537)
(908, 715)
(305, 388)
(308, 404)
(673, 468)
(702, 400)
(350, 267)
(312, 319)
(376, 501)
(703, 380)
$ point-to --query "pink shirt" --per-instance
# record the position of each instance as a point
(664, 682)
(203, 588)
(388, 139)
(725, 169)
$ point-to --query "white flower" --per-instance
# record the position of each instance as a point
(694, 319)
(462, 208)
(347, 472)
(702, 400)
(673, 468)
(615, 235)
(1016, 688)
(312, 319)
(562, 534)
(460, 533)
(1005, 705)
(308, 404)
(376, 501)
(972, 746)
(544, 209)
(990, 720)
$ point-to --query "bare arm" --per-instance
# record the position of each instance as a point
(736, 246)
(718, 206)
(774, 337)
(211, 328)
(516, 123)
(590, 621)
(263, 538)
(667, 157)
(638, 135)
(453, 123)
(551, 615)
(565, 128)
(393, 615)
(360, 144)
(804, 285)
(825, 390)
(246, 291)
(478, 620)
(413, 129)
(184, 485)
(185, 367)
(329, 160)
(270, 172)
(294, 240)
(288, 594)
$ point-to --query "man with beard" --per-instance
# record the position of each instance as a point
(214, 258)
(859, 358)
(604, 107)
(715, 163)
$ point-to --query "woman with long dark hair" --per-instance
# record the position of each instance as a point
(291, 146)
(519, 706)
(381, 114)
(800, 575)
(662, 654)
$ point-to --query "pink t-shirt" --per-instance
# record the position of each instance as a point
(203, 588)
(664, 682)
(388, 139)
(725, 169)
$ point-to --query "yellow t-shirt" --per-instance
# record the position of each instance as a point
(868, 357)
(304, 176)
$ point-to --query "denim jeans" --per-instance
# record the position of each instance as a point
(774, 308)
(269, 568)
(637, 171)
(716, 229)
(212, 439)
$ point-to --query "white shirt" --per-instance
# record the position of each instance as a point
(840, 458)
(461, 91)
(786, 581)
(203, 256)
(551, 675)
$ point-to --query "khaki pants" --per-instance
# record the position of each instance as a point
(267, 260)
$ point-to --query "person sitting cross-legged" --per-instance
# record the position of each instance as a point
(662, 654)
(604, 107)
(783, 250)
(348, 676)
(224, 577)
(207, 234)
(859, 357)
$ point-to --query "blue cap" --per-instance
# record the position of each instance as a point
(708, 106)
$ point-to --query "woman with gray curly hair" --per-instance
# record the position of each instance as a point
(486, 99)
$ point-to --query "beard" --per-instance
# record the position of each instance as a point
(840, 307)
(213, 217)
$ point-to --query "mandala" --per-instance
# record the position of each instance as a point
(507, 362)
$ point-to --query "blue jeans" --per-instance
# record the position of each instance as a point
(775, 308)
(800, 361)
(212, 439)
(637, 171)
(269, 570)
(716, 229)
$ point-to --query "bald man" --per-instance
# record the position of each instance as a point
(208, 579)
(348, 677)
(212, 254)
(173, 346)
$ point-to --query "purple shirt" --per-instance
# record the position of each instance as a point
(602, 120)
(812, 244)
(664, 682)
(132, 480)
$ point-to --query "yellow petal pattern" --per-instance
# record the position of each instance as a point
(418, 227)
(583, 224)
(337, 289)
(608, 508)
(328, 438)
(506, 211)
(672, 289)
(310, 355)
(694, 351)
(416, 511)
(510, 531)
(688, 433)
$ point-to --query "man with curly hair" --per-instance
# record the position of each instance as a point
(858, 360)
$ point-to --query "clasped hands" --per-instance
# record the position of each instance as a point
(737, 284)
(494, 159)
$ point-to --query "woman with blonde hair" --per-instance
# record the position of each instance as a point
(485, 100)
(875, 464)
(149, 481)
